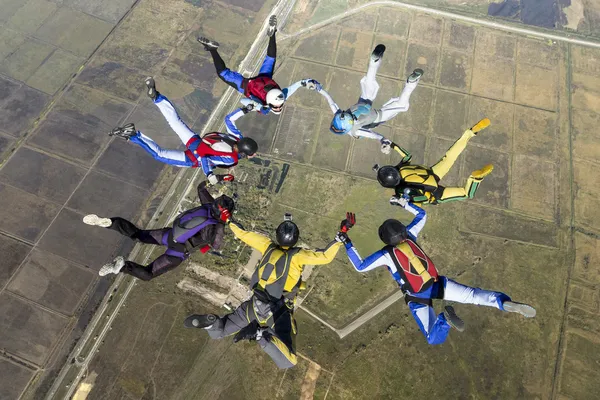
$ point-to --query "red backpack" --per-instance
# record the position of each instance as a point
(414, 266)
(259, 86)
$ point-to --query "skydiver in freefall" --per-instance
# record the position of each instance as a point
(358, 120)
(262, 93)
(215, 149)
(418, 278)
(421, 184)
(268, 316)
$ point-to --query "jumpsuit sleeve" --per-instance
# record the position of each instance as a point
(319, 257)
(334, 107)
(230, 125)
(219, 234)
(207, 165)
(406, 156)
(203, 194)
(375, 260)
(418, 222)
(290, 90)
(252, 239)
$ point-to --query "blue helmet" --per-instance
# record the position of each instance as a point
(342, 122)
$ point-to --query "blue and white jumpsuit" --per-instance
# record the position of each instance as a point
(366, 116)
(236, 80)
(181, 158)
(435, 328)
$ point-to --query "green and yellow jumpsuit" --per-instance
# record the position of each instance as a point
(423, 182)
(275, 283)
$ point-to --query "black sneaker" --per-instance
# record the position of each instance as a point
(272, 25)
(208, 44)
(415, 76)
(453, 319)
(378, 52)
(200, 320)
(124, 132)
(151, 85)
(247, 333)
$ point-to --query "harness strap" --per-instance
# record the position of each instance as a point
(408, 298)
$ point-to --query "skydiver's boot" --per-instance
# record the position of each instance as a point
(525, 310)
(200, 321)
(481, 125)
(208, 44)
(125, 132)
(151, 85)
(453, 319)
(483, 172)
(94, 220)
(377, 53)
(415, 76)
(112, 267)
(272, 25)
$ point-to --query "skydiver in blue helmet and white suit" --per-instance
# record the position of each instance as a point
(358, 120)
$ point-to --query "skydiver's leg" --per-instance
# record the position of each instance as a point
(234, 322)
(434, 328)
(368, 84)
(170, 113)
(279, 341)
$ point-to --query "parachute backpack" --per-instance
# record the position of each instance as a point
(189, 223)
(414, 266)
(272, 272)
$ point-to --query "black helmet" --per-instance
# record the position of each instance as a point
(287, 234)
(221, 203)
(388, 176)
(247, 146)
(392, 232)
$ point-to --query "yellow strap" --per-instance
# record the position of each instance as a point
(414, 261)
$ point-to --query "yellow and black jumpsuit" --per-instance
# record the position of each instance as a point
(275, 283)
(422, 183)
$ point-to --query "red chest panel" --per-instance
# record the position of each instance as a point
(259, 86)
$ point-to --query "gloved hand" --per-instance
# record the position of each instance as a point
(224, 214)
(398, 201)
(348, 223)
(342, 237)
(213, 179)
(251, 105)
(386, 146)
(226, 178)
(312, 84)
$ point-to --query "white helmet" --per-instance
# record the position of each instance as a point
(275, 100)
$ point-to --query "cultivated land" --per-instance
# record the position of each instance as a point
(531, 231)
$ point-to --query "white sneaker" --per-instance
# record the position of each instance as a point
(93, 219)
(525, 310)
(112, 267)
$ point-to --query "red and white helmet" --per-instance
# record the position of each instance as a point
(275, 100)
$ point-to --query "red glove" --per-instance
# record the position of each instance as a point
(204, 249)
(348, 222)
(228, 178)
(225, 214)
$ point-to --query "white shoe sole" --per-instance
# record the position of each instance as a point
(94, 220)
(523, 309)
(113, 267)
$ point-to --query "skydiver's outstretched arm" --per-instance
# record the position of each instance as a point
(252, 239)
(203, 194)
(334, 107)
(406, 156)
(414, 228)
(375, 260)
(230, 119)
